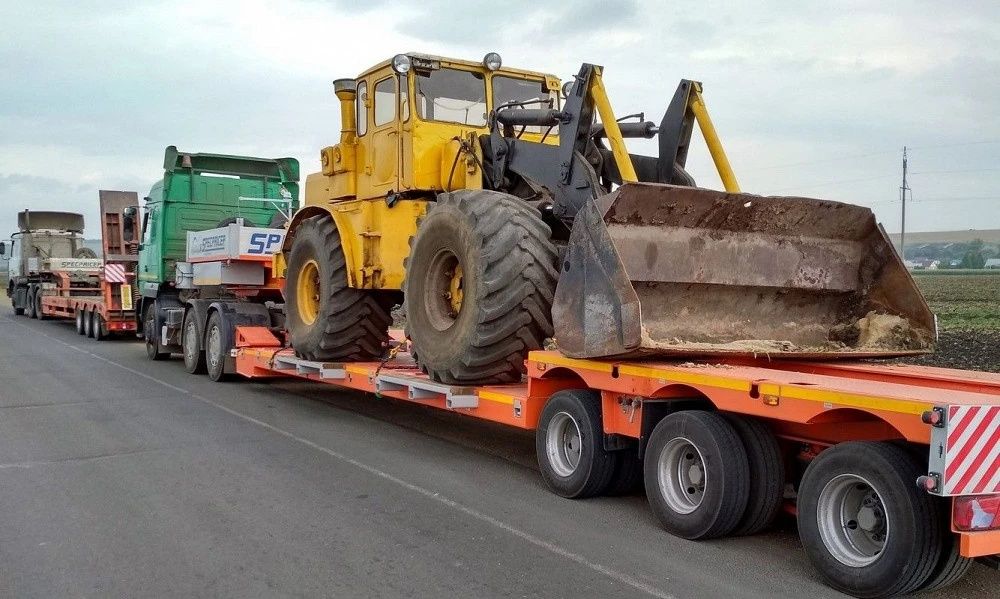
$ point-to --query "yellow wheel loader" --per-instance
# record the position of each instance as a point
(500, 212)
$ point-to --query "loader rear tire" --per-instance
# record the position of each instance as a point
(479, 284)
(326, 319)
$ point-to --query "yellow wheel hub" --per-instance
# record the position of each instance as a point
(307, 290)
(455, 290)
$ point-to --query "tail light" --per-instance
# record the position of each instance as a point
(977, 512)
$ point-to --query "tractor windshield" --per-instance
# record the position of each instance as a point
(524, 93)
(452, 96)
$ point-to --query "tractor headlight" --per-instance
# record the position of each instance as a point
(492, 61)
(401, 64)
(567, 88)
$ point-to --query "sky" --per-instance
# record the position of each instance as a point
(811, 99)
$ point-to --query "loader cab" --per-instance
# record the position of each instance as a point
(405, 120)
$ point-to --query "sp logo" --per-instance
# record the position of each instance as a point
(264, 243)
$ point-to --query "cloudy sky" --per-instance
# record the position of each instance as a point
(809, 101)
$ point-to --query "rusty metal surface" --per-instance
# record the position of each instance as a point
(678, 271)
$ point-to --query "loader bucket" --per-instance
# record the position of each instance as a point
(662, 270)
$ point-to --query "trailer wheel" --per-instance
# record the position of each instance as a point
(80, 329)
(97, 326)
(767, 475)
(951, 566)
(88, 323)
(864, 524)
(194, 353)
(697, 475)
(217, 345)
(31, 302)
(153, 348)
(569, 445)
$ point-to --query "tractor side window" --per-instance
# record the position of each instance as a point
(452, 96)
(385, 101)
(360, 109)
(521, 92)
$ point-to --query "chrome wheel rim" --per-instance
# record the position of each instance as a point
(564, 444)
(190, 341)
(853, 522)
(214, 345)
(681, 475)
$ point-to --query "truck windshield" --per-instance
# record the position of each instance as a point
(452, 96)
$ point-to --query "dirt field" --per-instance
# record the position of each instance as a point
(968, 310)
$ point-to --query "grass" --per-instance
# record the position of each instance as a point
(968, 300)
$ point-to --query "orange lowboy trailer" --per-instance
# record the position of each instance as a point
(873, 458)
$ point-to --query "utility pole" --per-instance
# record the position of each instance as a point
(902, 197)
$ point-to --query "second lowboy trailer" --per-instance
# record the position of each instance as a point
(893, 471)
(102, 303)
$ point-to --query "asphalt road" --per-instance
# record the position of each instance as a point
(128, 478)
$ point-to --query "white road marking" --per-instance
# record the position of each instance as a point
(553, 548)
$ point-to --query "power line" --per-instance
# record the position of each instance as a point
(820, 161)
(959, 170)
(831, 183)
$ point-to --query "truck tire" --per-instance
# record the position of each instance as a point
(80, 328)
(951, 566)
(218, 342)
(326, 319)
(191, 340)
(767, 475)
(18, 307)
(864, 524)
(88, 323)
(154, 351)
(479, 284)
(30, 303)
(569, 445)
(696, 474)
(39, 312)
(97, 326)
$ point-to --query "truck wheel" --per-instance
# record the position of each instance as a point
(154, 350)
(31, 302)
(767, 475)
(13, 293)
(39, 313)
(569, 445)
(951, 566)
(80, 329)
(194, 354)
(697, 475)
(97, 326)
(218, 342)
(864, 524)
(479, 284)
(327, 320)
(88, 323)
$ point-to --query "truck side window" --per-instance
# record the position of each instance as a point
(385, 101)
(360, 109)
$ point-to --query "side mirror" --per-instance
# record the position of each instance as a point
(128, 223)
(3, 248)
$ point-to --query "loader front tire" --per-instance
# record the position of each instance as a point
(479, 284)
(326, 319)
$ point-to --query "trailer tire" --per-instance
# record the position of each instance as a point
(688, 450)
(569, 445)
(767, 475)
(951, 566)
(217, 345)
(326, 319)
(191, 341)
(31, 302)
(80, 329)
(864, 524)
(153, 348)
(479, 284)
(88, 323)
(97, 326)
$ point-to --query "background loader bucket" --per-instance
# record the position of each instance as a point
(662, 270)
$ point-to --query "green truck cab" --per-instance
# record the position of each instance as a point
(201, 192)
